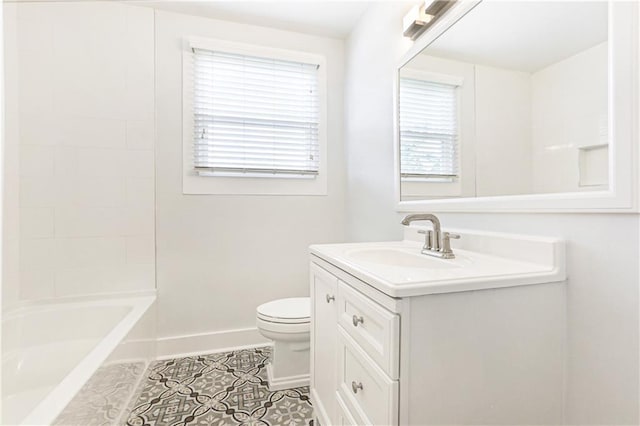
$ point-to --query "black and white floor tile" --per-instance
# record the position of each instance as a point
(220, 389)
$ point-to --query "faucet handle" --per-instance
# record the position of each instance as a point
(446, 244)
(428, 238)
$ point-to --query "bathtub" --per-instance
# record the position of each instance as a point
(51, 350)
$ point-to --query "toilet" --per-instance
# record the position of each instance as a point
(287, 323)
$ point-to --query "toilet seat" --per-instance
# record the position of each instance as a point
(281, 329)
(295, 310)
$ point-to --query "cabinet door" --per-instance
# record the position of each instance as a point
(324, 344)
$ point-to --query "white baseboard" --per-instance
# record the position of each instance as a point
(203, 343)
(280, 383)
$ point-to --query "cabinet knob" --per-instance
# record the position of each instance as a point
(355, 386)
(356, 320)
(330, 298)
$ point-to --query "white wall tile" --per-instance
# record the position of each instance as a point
(93, 132)
(90, 252)
(90, 222)
(90, 78)
(139, 61)
(35, 28)
(66, 161)
(140, 191)
(74, 281)
(37, 253)
(139, 220)
(115, 162)
(140, 134)
(36, 283)
(85, 107)
(569, 104)
(92, 191)
(36, 161)
(39, 129)
(132, 277)
(11, 157)
(36, 222)
(37, 192)
(36, 93)
(140, 163)
(140, 249)
(101, 279)
(101, 162)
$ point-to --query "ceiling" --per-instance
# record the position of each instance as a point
(326, 18)
(523, 36)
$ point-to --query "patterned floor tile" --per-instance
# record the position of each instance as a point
(218, 389)
(104, 397)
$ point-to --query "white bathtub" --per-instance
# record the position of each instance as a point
(51, 350)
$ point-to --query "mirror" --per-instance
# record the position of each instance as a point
(512, 99)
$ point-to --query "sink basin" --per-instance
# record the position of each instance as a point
(400, 258)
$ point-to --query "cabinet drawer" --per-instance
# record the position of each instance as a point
(375, 329)
(369, 393)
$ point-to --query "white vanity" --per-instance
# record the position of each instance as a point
(399, 337)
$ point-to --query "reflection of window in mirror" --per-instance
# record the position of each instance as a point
(429, 131)
(532, 114)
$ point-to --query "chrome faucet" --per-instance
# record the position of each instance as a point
(436, 242)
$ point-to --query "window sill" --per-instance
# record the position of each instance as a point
(216, 175)
(196, 184)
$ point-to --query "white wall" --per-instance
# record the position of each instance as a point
(602, 307)
(372, 53)
(220, 256)
(569, 110)
(11, 164)
(81, 116)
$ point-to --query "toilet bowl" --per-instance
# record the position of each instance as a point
(287, 323)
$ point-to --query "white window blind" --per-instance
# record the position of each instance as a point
(428, 129)
(254, 115)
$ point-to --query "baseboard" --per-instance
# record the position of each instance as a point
(276, 384)
(215, 341)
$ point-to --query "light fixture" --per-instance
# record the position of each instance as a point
(421, 16)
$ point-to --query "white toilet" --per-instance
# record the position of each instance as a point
(287, 323)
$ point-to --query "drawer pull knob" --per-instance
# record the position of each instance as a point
(330, 298)
(355, 386)
(356, 320)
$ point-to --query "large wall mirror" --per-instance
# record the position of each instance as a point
(511, 99)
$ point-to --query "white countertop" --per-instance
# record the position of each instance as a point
(398, 269)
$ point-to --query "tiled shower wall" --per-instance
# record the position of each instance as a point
(80, 123)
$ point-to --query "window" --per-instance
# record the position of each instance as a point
(428, 130)
(254, 120)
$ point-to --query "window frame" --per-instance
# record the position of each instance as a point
(194, 182)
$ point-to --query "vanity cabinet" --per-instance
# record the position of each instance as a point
(466, 357)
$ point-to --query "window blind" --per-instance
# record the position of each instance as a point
(428, 129)
(254, 114)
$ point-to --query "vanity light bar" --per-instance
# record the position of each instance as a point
(421, 16)
(414, 22)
